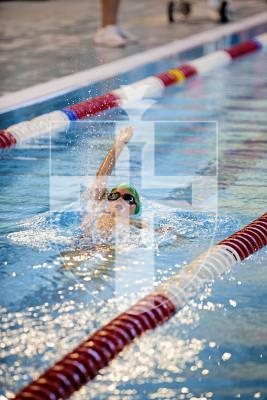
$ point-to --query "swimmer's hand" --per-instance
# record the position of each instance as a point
(124, 136)
(107, 165)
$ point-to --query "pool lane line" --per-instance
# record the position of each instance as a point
(59, 120)
(68, 83)
(84, 362)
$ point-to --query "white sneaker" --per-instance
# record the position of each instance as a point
(127, 35)
(109, 36)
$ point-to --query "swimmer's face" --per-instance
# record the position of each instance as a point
(122, 207)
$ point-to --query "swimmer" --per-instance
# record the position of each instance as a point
(123, 205)
(123, 201)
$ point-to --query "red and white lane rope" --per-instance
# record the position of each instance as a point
(86, 360)
(60, 120)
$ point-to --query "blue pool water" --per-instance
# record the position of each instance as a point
(216, 346)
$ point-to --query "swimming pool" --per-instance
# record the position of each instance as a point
(214, 348)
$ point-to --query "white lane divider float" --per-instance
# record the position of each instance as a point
(60, 119)
(84, 362)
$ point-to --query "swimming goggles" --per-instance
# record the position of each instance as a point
(129, 198)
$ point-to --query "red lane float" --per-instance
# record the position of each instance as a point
(188, 70)
(116, 98)
(249, 239)
(86, 360)
(92, 107)
(177, 75)
(6, 139)
(249, 46)
(167, 78)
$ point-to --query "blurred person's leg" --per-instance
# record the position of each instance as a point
(110, 10)
(111, 34)
(178, 10)
(108, 34)
(219, 10)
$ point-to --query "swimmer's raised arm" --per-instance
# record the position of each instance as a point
(106, 168)
(107, 165)
(100, 186)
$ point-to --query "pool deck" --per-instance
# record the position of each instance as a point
(43, 40)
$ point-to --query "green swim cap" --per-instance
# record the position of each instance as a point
(131, 188)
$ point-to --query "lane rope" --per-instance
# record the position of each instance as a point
(61, 119)
(84, 362)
